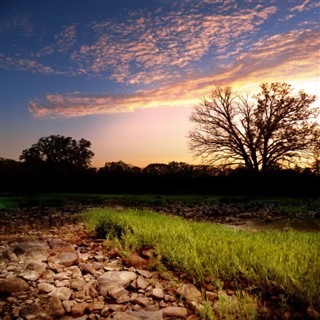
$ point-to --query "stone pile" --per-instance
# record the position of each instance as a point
(49, 278)
(22, 220)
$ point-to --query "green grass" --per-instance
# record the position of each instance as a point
(69, 199)
(285, 261)
(9, 202)
(289, 205)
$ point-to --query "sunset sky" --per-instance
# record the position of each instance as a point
(124, 74)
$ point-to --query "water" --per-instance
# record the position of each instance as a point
(307, 224)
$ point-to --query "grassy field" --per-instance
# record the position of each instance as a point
(286, 262)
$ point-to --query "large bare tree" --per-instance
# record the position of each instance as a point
(275, 128)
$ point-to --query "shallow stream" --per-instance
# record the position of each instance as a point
(306, 224)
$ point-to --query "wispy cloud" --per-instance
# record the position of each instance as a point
(306, 5)
(19, 22)
(284, 57)
(162, 47)
(152, 47)
(66, 39)
(26, 64)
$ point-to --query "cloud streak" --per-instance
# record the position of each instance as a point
(282, 57)
(26, 65)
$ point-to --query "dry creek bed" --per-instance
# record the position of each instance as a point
(52, 268)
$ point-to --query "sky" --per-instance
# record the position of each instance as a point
(125, 74)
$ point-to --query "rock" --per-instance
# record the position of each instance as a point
(45, 287)
(114, 279)
(61, 276)
(79, 309)
(123, 316)
(62, 293)
(193, 317)
(67, 305)
(33, 311)
(75, 272)
(33, 271)
(147, 315)
(58, 245)
(55, 307)
(134, 260)
(37, 266)
(117, 292)
(32, 251)
(158, 293)
(14, 284)
(9, 255)
(190, 293)
(67, 259)
(30, 275)
(176, 312)
(116, 307)
(96, 306)
(113, 253)
(142, 283)
(143, 301)
(77, 284)
(56, 267)
(62, 283)
(114, 265)
(123, 299)
(211, 295)
(145, 273)
(87, 268)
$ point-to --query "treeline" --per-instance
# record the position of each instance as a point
(171, 178)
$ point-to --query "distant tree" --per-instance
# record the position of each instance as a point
(118, 168)
(9, 166)
(203, 170)
(155, 169)
(278, 130)
(59, 151)
(179, 168)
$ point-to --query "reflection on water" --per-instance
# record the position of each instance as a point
(306, 225)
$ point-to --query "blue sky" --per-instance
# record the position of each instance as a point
(125, 74)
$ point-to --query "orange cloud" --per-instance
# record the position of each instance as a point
(162, 45)
(287, 57)
(306, 5)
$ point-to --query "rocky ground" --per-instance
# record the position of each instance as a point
(52, 268)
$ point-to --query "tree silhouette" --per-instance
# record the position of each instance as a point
(58, 151)
(316, 154)
(118, 168)
(278, 130)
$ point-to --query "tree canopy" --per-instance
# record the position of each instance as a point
(279, 130)
(59, 151)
